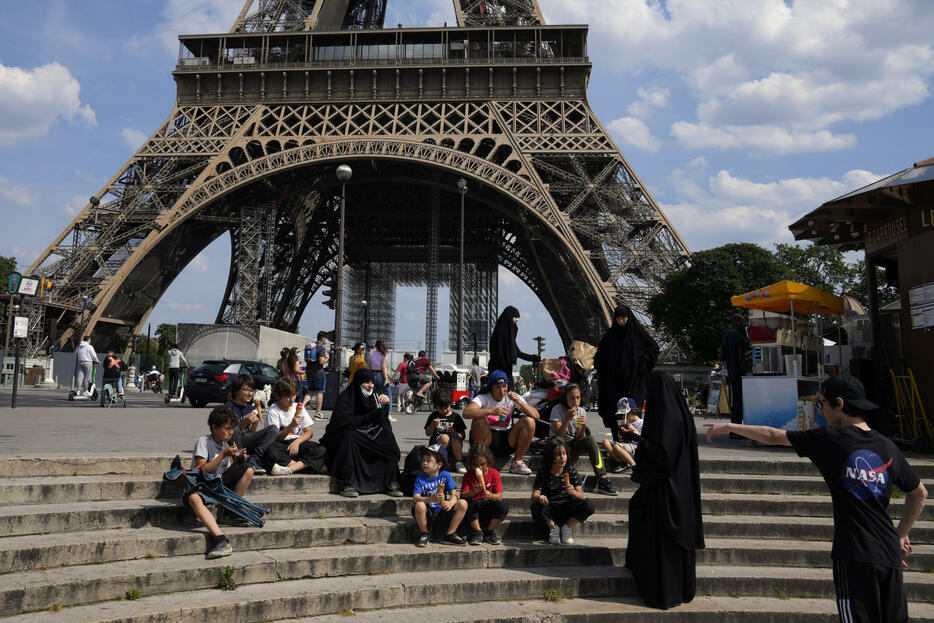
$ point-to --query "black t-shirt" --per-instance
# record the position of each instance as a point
(553, 487)
(734, 352)
(859, 467)
(454, 421)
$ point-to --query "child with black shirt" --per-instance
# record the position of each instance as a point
(558, 501)
(435, 497)
(859, 466)
(482, 488)
(214, 455)
(446, 427)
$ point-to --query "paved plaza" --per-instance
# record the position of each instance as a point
(46, 424)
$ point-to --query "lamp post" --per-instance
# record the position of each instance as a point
(462, 189)
(366, 323)
(344, 174)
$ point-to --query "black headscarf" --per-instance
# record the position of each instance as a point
(503, 348)
(354, 410)
(625, 357)
(666, 460)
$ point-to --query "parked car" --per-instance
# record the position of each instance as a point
(211, 381)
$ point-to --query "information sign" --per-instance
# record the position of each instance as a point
(20, 326)
(12, 284)
(28, 286)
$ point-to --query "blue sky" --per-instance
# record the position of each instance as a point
(739, 116)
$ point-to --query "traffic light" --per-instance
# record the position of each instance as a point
(330, 291)
(541, 344)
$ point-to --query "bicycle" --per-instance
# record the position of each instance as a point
(110, 396)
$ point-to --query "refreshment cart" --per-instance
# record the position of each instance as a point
(787, 353)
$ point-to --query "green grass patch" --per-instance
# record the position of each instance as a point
(553, 594)
(132, 595)
(347, 612)
(781, 594)
(227, 583)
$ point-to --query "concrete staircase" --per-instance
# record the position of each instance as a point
(106, 540)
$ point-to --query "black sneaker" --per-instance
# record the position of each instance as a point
(229, 519)
(604, 487)
(349, 492)
(453, 539)
(476, 538)
(492, 538)
(220, 548)
(393, 490)
(423, 540)
(621, 467)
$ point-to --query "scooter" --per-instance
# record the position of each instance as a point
(169, 398)
(74, 395)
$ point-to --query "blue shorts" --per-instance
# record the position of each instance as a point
(316, 383)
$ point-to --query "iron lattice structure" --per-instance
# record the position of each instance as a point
(266, 112)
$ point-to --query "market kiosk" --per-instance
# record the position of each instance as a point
(787, 353)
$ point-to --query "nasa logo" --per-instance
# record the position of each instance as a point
(865, 475)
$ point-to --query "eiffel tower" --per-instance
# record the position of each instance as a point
(266, 112)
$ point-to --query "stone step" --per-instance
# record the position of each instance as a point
(702, 609)
(21, 491)
(330, 595)
(71, 586)
(79, 516)
(773, 462)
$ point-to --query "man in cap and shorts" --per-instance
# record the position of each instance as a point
(496, 423)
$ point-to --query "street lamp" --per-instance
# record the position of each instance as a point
(462, 189)
(344, 174)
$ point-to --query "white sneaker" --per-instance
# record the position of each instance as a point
(392, 419)
(280, 470)
(566, 536)
(519, 467)
(554, 536)
(460, 467)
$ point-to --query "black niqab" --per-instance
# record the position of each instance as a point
(503, 348)
(665, 526)
(361, 449)
(625, 357)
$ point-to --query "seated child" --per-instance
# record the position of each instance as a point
(432, 510)
(627, 419)
(558, 502)
(446, 427)
(483, 491)
(569, 422)
(292, 451)
(213, 455)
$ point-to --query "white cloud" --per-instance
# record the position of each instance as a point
(133, 138)
(648, 100)
(632, 131)
(74, 205)
(725, 208)
(762, 138)
(188, 307)
(199, 263)
(34, 99)
(17, 195)
(184, 17)
(785, 71)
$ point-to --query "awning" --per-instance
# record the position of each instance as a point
(778, 297)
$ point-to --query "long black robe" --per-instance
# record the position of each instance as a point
(625, 357)
(503, 348)
(361, 450)
(665, 526)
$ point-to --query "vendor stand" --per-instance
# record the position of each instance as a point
(787, 354)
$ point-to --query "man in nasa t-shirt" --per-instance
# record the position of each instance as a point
(859, 466)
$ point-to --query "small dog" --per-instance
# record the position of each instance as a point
(262, 396)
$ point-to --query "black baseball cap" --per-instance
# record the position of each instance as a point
(850, 389)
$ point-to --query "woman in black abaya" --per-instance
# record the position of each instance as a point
(625, 357)
(665, 526)
(362, 453)
(503, 349)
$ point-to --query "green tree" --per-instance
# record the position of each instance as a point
(694, 303)
(7, 266)
(821, 266)
(166, 334)
(859, 287)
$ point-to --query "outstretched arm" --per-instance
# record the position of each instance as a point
(762, 434)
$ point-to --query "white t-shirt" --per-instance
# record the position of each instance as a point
(207, 448)
(497, 422)
(557, 417)
(281, 419)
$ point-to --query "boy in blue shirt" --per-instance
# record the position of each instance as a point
(435, 497)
